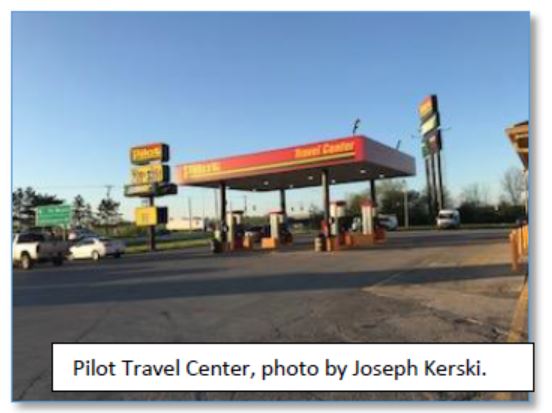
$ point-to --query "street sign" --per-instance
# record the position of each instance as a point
(149, 174)
(149, 216)
(142, 155)
(53, 215)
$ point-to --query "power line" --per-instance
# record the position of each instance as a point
(70, 186)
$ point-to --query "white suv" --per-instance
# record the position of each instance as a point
(448, 218)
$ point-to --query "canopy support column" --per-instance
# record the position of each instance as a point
(373, 192)
(326, 201)
(222, 217)
(283, 209)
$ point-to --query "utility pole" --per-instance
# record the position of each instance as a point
(108, 187)
(406, 217)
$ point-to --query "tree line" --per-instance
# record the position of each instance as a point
(26, 200)
(473, 204)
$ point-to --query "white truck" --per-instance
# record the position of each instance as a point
(32, 247)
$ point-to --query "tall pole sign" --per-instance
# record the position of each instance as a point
(432, 145)
(150, 178)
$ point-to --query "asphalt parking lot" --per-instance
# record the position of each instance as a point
(420, 286)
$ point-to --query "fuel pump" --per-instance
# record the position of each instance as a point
(235, 232)
(273, 240)
(369, 222)
(276, 221)
(368, 218)
(338, 219)
(278, 231)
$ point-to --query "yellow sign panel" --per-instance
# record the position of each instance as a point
(425, 108)
(150, 174)
(140, 155)
(145, 216)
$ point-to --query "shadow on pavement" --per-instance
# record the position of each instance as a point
(151, 287)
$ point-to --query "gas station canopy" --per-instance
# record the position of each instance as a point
(349, 159)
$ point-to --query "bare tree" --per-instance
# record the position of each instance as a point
(475, 195)
(513, 184)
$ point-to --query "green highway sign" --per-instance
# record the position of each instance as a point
(51, 215)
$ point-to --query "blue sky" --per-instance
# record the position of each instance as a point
(87, 86)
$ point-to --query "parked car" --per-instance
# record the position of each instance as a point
(77, 234)
(388, 222)
(96, 248)
(32, 247)
(448, 218)
(285, 234)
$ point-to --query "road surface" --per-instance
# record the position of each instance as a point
(432, 286)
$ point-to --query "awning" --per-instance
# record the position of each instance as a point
(519, 137)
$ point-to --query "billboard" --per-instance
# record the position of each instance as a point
(141, 155)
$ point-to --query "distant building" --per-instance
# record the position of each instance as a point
(185, 224)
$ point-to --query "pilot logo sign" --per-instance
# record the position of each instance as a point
(141, 155)
(150, 179)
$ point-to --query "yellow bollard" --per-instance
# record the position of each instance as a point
(514, 250)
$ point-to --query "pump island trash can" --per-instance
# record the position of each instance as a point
(319, 243)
